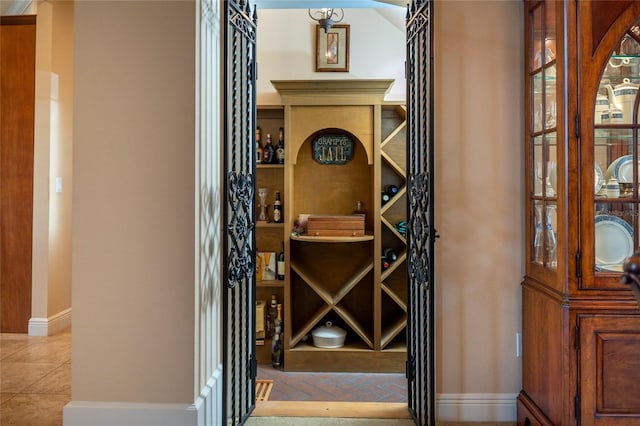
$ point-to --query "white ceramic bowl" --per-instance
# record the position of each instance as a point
(328, 336)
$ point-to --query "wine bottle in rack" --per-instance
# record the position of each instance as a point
(391, 255)
(384, 263)
(272, 314)
(391, 190)
(280, 274)
(277, 353)
(269, 153)
(280, 147)
(277, 209)
(384, 198)
(259, 150)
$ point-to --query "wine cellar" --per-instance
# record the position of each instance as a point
(343, 198)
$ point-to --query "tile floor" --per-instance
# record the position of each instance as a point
(35, 378)
(35, 383)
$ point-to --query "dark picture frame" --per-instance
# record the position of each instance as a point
(332, 49)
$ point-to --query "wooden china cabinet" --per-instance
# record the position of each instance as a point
(581, 326)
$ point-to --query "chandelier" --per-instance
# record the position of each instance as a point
(326, 17)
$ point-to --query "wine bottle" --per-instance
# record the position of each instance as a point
(268, 153)
(277, 353)
(391, 190)
(391, 255)
(384, 263)
(281, 263)
(384, 198)
(277, 209)
(280, 147)
(274, 157)
(272, 314)
(259, 150)
(359, 209)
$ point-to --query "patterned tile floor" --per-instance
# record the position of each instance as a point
(351, 387)
(35, 378)
(35, 385)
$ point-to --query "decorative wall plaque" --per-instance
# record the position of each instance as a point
(332, 149)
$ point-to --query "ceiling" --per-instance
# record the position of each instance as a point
(316, 4)
(17, 7)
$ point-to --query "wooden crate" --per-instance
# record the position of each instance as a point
(351, 225)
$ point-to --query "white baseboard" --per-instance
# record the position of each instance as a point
(209, 402)
(206, 410)
(477, 407)
(51, 325)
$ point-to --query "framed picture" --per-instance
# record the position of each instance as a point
(332, 49)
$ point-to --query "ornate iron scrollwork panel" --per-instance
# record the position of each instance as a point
(420, 213)
(239, 211)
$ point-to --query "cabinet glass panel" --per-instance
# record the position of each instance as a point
(613, 234)
(552, 163)
(615, 155)
(537, 35)
(544, 166)
(536, 99)
(616, 100)
(545, 241)
(550, 34)
(612, 155)
(538, 171)
(550, 105)
(543, 154)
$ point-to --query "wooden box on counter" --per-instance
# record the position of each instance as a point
(351, 225)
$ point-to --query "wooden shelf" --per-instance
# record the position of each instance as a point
(391, 228)
(270, 166)
(393, 134)
(312, 239)
(346, 348)
(309, 325)
(270, 283)
(269, 225)
(393, 266)
(338, 278)
(354, 325)
(391, 332)
(393, 201)
(391, 163)
(311, 282)
(332, 304)
(392, 294)
(327, 297)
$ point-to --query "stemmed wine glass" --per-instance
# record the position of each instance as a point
(262, 194)
(550, 239)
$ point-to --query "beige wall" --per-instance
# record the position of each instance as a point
(479, 158)
(286, 49)
(133, 191)
(479, 213)
(133, 202)
(51, 292)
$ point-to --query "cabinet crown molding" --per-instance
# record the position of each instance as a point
(359, 91)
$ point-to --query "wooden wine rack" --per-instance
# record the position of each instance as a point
(340, 279)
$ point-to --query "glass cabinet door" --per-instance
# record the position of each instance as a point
(615, 154)
(542, 137)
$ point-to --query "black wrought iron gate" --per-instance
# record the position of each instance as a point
(421, 233)
(239, 123)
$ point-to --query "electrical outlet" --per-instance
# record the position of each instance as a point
(518, 345)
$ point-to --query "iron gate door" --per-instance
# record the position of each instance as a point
(239, 364)
(421, 233)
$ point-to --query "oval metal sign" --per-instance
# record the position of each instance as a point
(332, 149)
